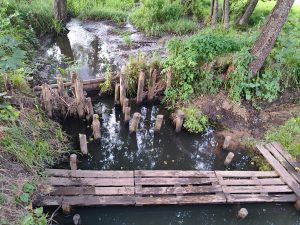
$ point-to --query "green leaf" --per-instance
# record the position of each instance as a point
(24, 197)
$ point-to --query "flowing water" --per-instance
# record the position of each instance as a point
(95, 44)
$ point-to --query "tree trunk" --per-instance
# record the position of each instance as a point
(214, 18)
(60, 10)
(247, 12)
(212, 8)
(226, 14)
(270, 31)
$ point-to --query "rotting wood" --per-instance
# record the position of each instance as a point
(173, 173)
(141, 83)
(134, 122)
(117, 94)
(83, 144)
(80, 99)
(152, 82)
(60, 85)
(64, 181)
(158, 123)
(286, 155)
(173, 181)
(96, 127)
(89, 110)
(127, 115)
(89, 173)
(125, 104)
(73, 161)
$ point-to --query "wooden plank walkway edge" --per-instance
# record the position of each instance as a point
(176, 187)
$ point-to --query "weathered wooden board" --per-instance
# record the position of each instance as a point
(90, 190)
(247, 174)
(286, 155)
(173, 173)
(173, 181)
(177, 190)
(62, 181)
(248, 198)
(89, 173)
(180, 200)
(289, 180)
(283, 162)
(257, 189)
(239, 182)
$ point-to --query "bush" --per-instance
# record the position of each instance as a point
(194, 121)
(157, 16)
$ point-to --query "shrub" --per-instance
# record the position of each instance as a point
(194, 121)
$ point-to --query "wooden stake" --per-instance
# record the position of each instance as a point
(122, 85)
(229, 158)
(117, 94)
(96, 127)
(151, 88)
(297, 204)
(73, 78)
(226, 142)
(47, 97)
(141, 83)
(158, 123)
(179, 121)
(60, 85)
(73, 162)
(125, 104)
(135, 122)
(80, 99)
(127, 114)
(66, 209)
(169, 78)
(83, 144)
(89, 108)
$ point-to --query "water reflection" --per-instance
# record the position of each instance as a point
(119, 150)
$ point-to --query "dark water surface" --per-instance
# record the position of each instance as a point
(119, 150)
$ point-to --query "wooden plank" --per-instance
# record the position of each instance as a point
(283, 162)
(256, 189)
(280, 170)
(173, 173)
(177, 190)
(180, 200)
(173, 181)
(286, 155)
(89, 173)
(247, 198)
(87, 200)
(90, 190)
(246, 173)
(268, 181)
(62, 181)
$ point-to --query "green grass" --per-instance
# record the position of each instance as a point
(288, 135)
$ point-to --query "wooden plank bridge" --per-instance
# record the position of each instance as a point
(161, 187)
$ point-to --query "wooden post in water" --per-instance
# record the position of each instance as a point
(297, 204)
(66, 208)
(73, 78)
(179, 121)
(125, 104)
(46, 96)
(135, 122)
(83, 144)
(60, 85)
(169, 78)
(73, 162)
(229, 158)
(122, 85)
(89, 108)
(117, 94)
(141, 83)
(151, 88)
(158, 123)
(96, 127)
(80, 99)
(127, 115)
(227, 141)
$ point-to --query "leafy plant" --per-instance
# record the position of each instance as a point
(106, 86)
(8, 113)
(35, 217)
(194, 121)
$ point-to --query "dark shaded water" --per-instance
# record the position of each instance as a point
(119, 150)
(259, 214)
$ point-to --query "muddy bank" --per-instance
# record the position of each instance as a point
(242, 121)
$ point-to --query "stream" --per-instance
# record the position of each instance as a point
(95, 45)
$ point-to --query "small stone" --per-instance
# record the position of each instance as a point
(243, 213)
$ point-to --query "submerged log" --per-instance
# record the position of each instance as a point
(135, 122)
(96, 127)
(141, 83)
(83, 144)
